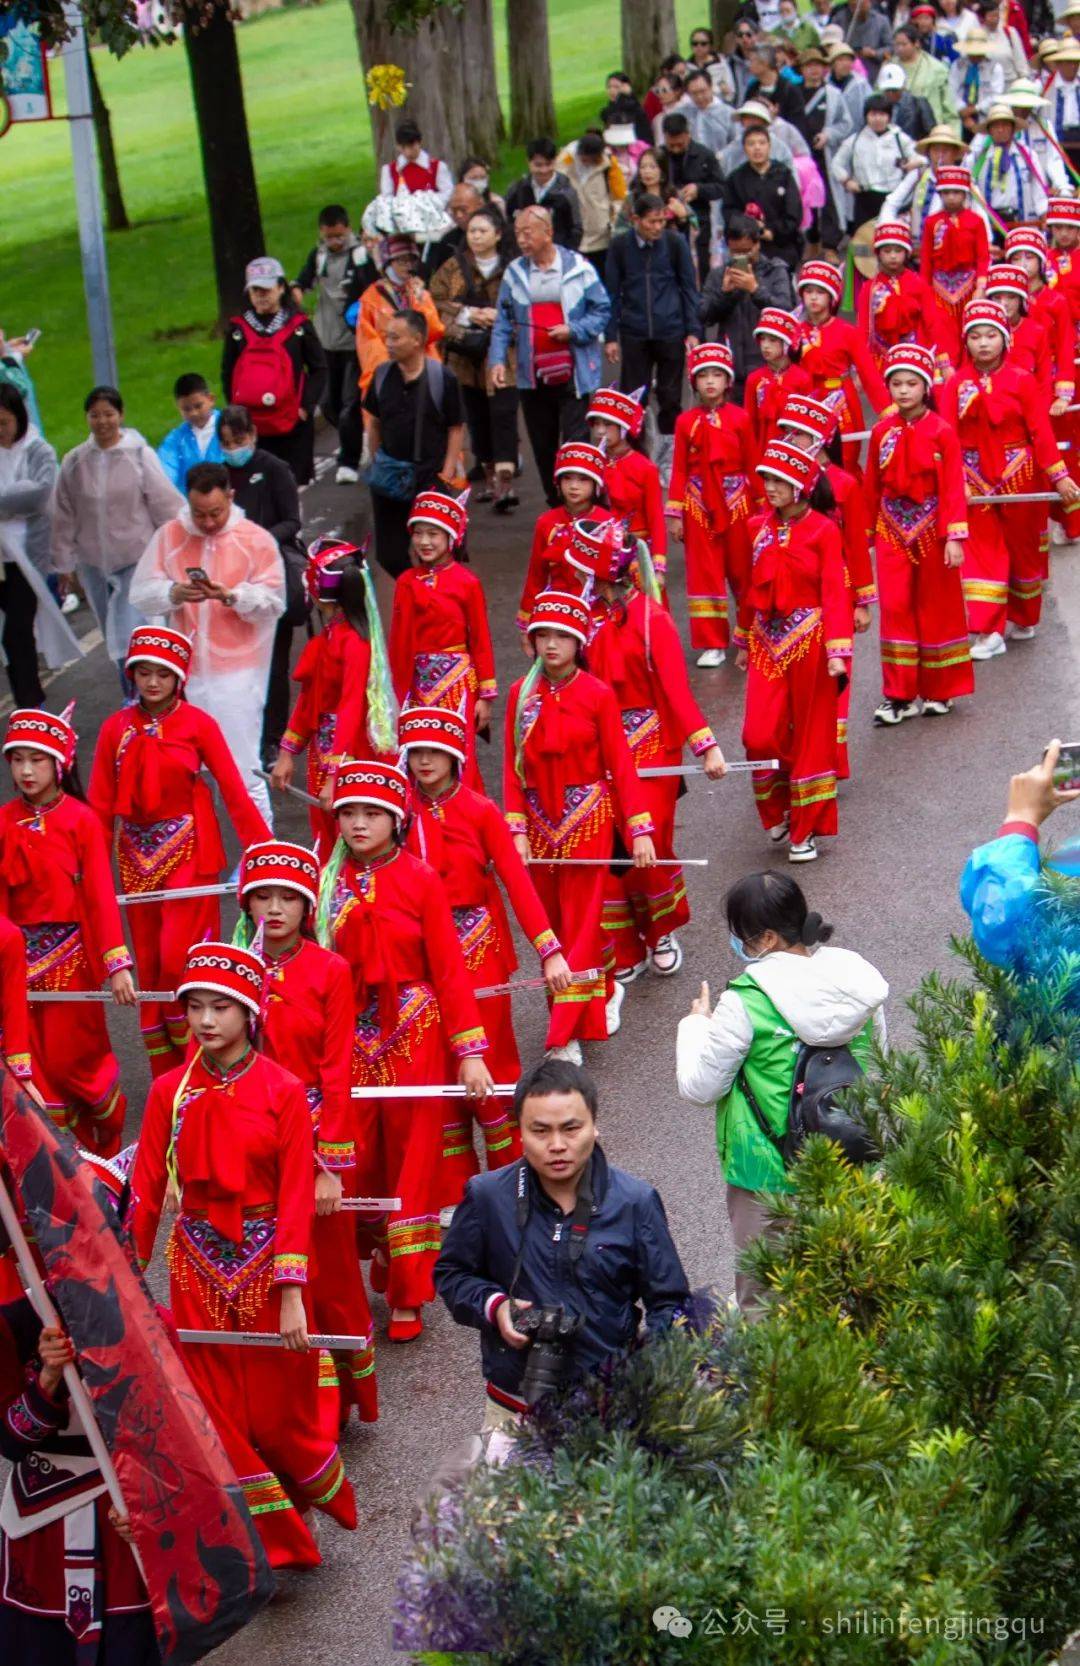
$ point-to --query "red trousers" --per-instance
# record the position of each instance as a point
(714, 560)
(487, 963)
(924, 639)
(161, 935)
(340, 1305)
(791, 716)
(573, 899)
(264, 1404)
(74, 1066)
(641, 905)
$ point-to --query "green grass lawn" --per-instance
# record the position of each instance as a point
(312, 142)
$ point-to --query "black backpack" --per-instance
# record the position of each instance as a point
(821, 1075)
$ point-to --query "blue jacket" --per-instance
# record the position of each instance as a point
(629, 1259)
(998, 890)
(585, 305)
(179, 451)
(653, 289)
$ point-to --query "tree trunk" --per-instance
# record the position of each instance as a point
(649, 36)
(116, 214)
(485, 129)
(722, 20)
(431, 58)
(236, 233)
(532, 108)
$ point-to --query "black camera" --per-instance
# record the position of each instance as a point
(552, 1331)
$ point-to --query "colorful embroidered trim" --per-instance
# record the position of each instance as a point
(290, 1268)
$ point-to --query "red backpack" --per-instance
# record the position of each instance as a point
(264, 378)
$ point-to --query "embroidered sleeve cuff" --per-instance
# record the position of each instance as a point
(336, 1156)
(522, 620)
(547, 943)
(838, 648)
(290, 1269)
(700, 741)
(469, 1044)
(739, 638)
(1064, 390)
(1024, 828)
(956, 529)
(659, 565)
(865, 595)
(493, 1304)
(640, 824)
(1057, 471)
(517, 821)
(19, 1065)
(292, 742)
(487, 691)
(674, 506)
(33, 1417)
(117, 960)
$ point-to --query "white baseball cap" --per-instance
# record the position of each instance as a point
(263, 273)
(891, 79)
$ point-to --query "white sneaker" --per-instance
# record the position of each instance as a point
(989, 646)
(711, 658)
(667, 957)
(936, 708)
(1059, 534)
(71, 603)
(891, 712)
(1021, 633)
(613, 1009)
(571, 1052)
(806, 852)
(630, 974)
(779, 833)
(346, 476)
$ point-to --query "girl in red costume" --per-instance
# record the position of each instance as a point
(832, 349)
(1025, 247)
(147, 776)
(811, 425)
(915, 490)
(462, 835)
(794, 636)
(346, 704)
(387, 914)
(579, 481)
(440, 643)
(568, 780)
(1030, 347)
(631, 480)
(709, 497)
(769, 388)
(897, 305)
(955, 256)
(635, 649)
(308, 1030)
(55, 885)
(228, 1136)
(1008, 446)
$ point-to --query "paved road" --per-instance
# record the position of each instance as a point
(920, 797)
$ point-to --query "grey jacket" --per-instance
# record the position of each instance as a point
(737, 314)
(26, 483)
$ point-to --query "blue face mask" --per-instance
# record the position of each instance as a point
(739, 947)
(236, 459)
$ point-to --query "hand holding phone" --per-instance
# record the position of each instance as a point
(1065, 772)
(197, 575)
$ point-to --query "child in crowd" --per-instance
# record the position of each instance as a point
(195, 439)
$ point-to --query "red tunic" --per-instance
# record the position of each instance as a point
(239, 1147)
(440, 644)
(955, 254)
(309, 1032)
(14, 1010)
(55, 885)
(548, 569)
(767, 392)
(330, 714)
(634, 491)
(850, 517)
(896, 308)
(1031, 349)
(1052, 306)
(415, 1007)
(710, 474)
(577, 775)
(830, 353)
(146, 778)
(637, 652)
(915, 489)
(463, 836)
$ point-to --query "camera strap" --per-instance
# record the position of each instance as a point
(579, 1219)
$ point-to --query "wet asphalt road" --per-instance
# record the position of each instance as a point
(920, 797)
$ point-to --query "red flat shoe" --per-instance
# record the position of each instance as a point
(404, 1330)
(379, 1272)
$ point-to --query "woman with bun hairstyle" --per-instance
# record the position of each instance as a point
(793, 992)
(346, 706)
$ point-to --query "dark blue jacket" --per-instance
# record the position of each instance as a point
(653, 288)
(629, 1259)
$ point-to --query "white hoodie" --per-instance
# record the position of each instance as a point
(826, 997)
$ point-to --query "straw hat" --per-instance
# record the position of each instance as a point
(1048, 48)
(998, 112)
(1067, 52)
(759, 112)
(942, 135)
(975, 44)
(1025, 95)
(838, 49)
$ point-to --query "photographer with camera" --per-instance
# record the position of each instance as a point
(552, 1258)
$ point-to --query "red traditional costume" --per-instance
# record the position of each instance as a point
(440, 643)
(831, 352)
(898, 307)
(345, 705)
(632, 481)
(915, 489)
(548, 568)
(1061, 269)
(14, 1009)
(636, 651)
(391, 921)
(568, 779)
(70, 1588)
(1008, 445)
(710, 490)
(463, 836)
(55, 885)
(237, 1146)
(954, 255)
(1030, 347)
(147, 776)
(308, 1030)
(794, 618)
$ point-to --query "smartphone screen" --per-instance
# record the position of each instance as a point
(32, 336)
(197, 575)
(1067, 768)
